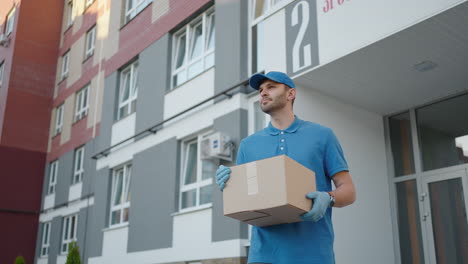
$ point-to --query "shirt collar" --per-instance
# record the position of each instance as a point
(291, 129)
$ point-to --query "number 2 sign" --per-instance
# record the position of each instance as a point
(301, 36)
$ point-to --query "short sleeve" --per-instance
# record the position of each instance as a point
(240, 155)
(334, 159)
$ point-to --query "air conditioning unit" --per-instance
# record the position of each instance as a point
(4, 40)
(217, 146)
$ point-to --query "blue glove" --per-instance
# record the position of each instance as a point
(222, 175)
(319, 207)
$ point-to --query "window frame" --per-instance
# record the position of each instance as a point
(199, 182)
(90, 46)
(273, 7)
(59, 119)
(65, 66)
(10, 21)
(2, 70)
(45, 239)
(130, 102)
(206, 19)
(137, 7)
(70, 17)
(67, 235)
(53, 173)
(81, 110)
(88, 3)
(253, 99)
(125, 193)
(78, 167)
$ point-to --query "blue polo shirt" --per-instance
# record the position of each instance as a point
(317, 148)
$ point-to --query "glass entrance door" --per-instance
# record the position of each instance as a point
(445, 199)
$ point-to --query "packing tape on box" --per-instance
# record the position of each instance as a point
(252, 181)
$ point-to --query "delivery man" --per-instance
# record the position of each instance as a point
(314, 146)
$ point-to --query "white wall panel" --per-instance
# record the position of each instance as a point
(75, 191)
(189, 94)
(115, 242)
(49, 201)
(123, 129)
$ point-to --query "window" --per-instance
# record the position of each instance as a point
(58, 120)
(90, 42)
(45, 239)
(88, 3)
(81, 103)
(133, 7)
(120, 198)
(70, 224)
(1, 73)
(52, 177)
(402, 144)
(10, 22)
(260, 9)
(197, 176)
(128, 90)
(193, 49)
(443, 141)
(65, 64)
(70, 13)
(259, 119)
(78, 165)
(409, 225)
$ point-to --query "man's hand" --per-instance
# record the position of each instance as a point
(222, 176)
(321, 201)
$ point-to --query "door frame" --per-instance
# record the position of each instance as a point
(424, 197)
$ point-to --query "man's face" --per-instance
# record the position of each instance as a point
(273, 96)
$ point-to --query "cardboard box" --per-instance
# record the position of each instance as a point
(268, 192)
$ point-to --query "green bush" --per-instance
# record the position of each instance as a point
(20, 260)
(73, 254)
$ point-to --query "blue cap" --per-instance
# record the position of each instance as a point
(280, 77)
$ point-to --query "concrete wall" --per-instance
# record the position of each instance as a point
(89, 168)
(55, 239)
(231, 43)
(153, 80)
(154, 192)
(108, 111)
(233, 124)
(99, 216)
(358, 239)
(64, 178)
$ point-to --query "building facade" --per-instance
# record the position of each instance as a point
(140, 85)
(29, 43)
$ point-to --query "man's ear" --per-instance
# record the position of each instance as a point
(291, 94)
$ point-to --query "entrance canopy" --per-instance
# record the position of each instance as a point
(423, 63)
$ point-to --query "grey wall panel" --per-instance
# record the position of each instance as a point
(55, 239)
(152, 83)
(37, 252)
(82, 235)
(45, 184)
(231, 43)
(90, 237)
(108, 111)
(64, 177)
(100, 213)
(152, 186)
(233, 124)
(89, 168)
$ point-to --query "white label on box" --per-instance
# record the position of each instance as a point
(252, 182)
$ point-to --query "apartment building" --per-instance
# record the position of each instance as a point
(142, 85)
(28, 49)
